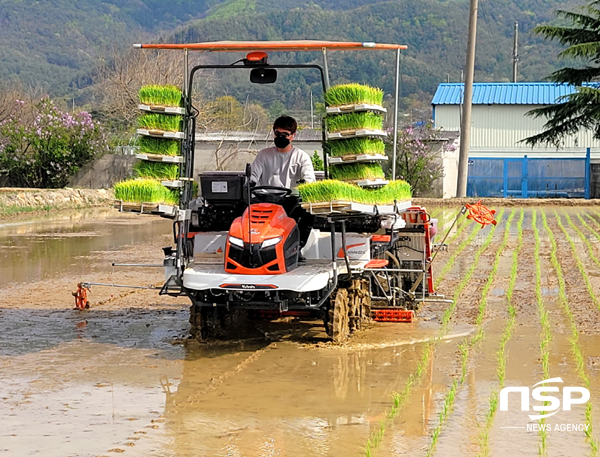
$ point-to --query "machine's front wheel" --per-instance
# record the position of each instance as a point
(206, 322)
(359, 308)
(338, 322)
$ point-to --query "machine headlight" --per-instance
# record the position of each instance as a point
(236, 241)
(271, 242)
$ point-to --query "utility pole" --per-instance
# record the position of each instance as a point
(515, 53)
(465, 130)
(312, 116)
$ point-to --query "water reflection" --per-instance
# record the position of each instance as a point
(71, 242)
(282, 399)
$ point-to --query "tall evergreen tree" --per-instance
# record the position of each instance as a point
(581, 109)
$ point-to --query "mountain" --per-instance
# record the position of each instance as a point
(435, 32)
(49, 43)
(55, 43)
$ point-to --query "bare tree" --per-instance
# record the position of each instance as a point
(119, 76)
(11, 92)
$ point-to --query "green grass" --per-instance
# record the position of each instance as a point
(13, 210)
(156, 170)
(353, 121)
(330, 190)
(143, 190)
(159, 146)
(356, 171)
(160, 95)
(356, 146)
(166, 122)
(350, 94)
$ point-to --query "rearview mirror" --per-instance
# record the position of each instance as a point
(263, 75)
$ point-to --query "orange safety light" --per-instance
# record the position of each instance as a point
(256, 58)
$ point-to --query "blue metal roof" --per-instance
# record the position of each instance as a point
(503, 93)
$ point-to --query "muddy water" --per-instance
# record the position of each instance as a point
(117, 379)
(69, 243)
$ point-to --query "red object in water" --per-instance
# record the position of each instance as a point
(81, 301)
(392, 315)
(481, 214)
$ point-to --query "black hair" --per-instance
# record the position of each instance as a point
(285, 123)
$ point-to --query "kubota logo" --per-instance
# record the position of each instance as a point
(554, 402)
(353, 252)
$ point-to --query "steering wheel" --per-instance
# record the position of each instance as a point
(274, 190)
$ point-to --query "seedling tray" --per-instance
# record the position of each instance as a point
(162, 109)
(161, 134)
(355, 108)
(172, 184)
(370, 182)
(159, 158)
(345, 207)
(354, 158)
(144, 208)
(357, 133)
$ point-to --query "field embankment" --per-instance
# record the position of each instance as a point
(18, 200)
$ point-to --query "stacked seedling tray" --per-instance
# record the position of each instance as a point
(355, 150)
(355, 134)
(156, 188)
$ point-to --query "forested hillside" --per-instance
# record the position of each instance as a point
(52, 43)
(56, 43)
(435, 32)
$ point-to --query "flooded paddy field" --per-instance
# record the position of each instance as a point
(122, 379)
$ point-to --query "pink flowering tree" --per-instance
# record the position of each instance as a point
(418, 157)
(43, 147)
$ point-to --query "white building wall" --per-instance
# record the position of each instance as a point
(499, 129)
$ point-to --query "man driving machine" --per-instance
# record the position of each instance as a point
(284, 165)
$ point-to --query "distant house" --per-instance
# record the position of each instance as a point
(500, 164)
(233, 150)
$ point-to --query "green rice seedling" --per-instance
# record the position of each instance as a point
(506, 335)
(143, 190)
(159, 121)
(159, 146)
(395, 191)
(356, 171)
(350, 94)
(160, 95)
(156, 170)
(356, 146)
(460, 248)
(546, 335)
(465, 346)
(353, 121)
(376, 436)
(333, 190)
(584, 239)
(574, 339)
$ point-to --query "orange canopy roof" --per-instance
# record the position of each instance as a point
(293, 45)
